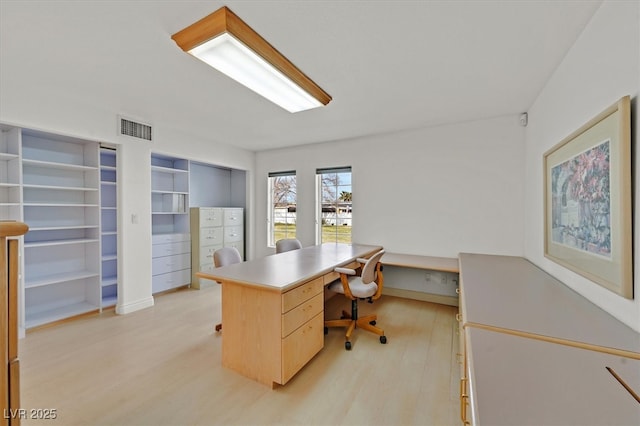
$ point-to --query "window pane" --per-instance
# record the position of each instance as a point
(282, 206)
(336, 209)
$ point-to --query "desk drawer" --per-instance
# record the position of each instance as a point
(306, 291)
(301, 345)
(301, 314)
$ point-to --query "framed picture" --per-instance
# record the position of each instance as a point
(587, 200)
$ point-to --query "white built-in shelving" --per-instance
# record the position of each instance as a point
(109, 228)
(171, 251)
(10, 194)
(60, 202)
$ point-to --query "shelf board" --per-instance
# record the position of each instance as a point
(58, 313)
(61, 188)
(60, 228)
(107, 183)
(108, 257)
(168, 170)
(4, 156)
(103, 167)
(58, 278)
(109, 301)
(107, 281)
(9, 185)
(169, 212)
(29, 204)
(61, 166)
(108, 208)
(60, 242)
(9, 204)
(106, 233)
(157, 191)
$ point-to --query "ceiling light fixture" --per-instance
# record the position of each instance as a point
(225, 42)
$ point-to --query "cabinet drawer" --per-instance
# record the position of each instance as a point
(301, 345)
(306, 291)
(211, 236)
(169, 238)
(232, 234)
(239, 245)
(301, 314)
(206, 254)
(210, 217)
(232, 217)
(170, 280)
(170, 249)
(162, 265)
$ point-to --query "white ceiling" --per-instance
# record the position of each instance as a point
(389, 65)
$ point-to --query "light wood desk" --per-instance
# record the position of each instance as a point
(273, 309)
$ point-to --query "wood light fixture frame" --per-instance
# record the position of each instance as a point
(223, 21)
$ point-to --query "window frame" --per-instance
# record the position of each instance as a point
(271, 213)
(320, 202)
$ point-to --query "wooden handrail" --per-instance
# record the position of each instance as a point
(10, 228)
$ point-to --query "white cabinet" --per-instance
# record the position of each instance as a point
(109, 230)
(171, 267)
(61, 205)
(170, 223)
(213, 228)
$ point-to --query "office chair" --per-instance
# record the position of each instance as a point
(287, 244)
(223, 257)
(366, 286)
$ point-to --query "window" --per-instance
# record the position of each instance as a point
(282, 206)
(334, 205)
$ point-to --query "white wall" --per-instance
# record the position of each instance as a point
(436, 191)
(601, 67)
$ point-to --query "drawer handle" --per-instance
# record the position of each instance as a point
(307, 308)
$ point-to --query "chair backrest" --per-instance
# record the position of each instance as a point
(226, 256)
(369, 272)
(287, 244)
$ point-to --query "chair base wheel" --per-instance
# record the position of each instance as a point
(383, 340)
(347, 345)
(372, 322)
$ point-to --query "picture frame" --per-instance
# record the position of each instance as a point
(587, 200)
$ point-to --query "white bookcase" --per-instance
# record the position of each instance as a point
(109, 229)
(171, 250)
(10, 177)
(61, 205)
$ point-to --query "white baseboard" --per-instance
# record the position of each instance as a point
(127, 308)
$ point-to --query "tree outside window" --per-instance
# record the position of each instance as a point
(335, 205)
(282, 206)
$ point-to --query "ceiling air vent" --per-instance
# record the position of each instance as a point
(135, 129)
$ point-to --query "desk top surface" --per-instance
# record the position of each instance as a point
(283, 271)
(447, 264)
(512, 293)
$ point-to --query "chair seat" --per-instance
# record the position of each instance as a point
(358, 288)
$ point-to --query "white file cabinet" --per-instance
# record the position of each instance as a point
(211, 229)
(170, 261)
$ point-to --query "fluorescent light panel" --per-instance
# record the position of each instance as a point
(226, 43)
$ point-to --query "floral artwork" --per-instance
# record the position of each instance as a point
(581, 201)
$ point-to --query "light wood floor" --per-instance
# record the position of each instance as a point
(161, 366)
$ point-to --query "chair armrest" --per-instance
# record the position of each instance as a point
(346, 271)
(362, 260)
